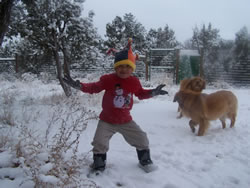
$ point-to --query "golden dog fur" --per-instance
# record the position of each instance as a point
(196, 84)
(202, 108)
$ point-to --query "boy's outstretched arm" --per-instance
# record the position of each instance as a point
(94, 87)
(148, 93)
(75, 84)
(158, 91)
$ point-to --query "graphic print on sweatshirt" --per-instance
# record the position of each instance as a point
(121, 99)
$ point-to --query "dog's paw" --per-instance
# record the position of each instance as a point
(192, 124)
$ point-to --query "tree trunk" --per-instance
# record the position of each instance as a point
(5, 12)
(66, 88)
(66, 63)
(202, 63)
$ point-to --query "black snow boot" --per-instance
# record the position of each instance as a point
(99, 162)
(144, 157)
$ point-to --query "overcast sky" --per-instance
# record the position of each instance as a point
(229, 16)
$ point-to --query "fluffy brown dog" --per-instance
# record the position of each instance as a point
(202, 108)
(196, 84)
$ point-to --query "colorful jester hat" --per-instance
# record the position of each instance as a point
(125, 57)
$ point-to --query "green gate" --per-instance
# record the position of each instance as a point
(189, 64)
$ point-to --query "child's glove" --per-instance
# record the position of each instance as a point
(75, 84)
(158, 91)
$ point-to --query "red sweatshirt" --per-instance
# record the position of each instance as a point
(118, 97)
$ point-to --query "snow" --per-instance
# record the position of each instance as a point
(49, 179)
(189, 53)
(7, 59)
(220, 159)
(5, 159)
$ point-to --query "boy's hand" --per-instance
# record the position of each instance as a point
(158, 91)
(75, 84)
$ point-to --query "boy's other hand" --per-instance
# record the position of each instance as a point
(75, 84)
(158, 91)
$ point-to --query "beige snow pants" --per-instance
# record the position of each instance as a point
(131, 132)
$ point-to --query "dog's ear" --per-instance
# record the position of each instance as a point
(183, 83)
(204, 84)
(189, 84)
(176, 97)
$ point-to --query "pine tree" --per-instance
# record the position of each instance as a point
(242, 44)
(58, 26)
(5, 13)
(135, 30)
(115, 33)
(206, 40)
(162, 38)
(121, 29)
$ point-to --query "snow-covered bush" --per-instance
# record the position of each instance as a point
(52, 159)
(220, 85)
(28, 77)
(6, 111)
(39, 139)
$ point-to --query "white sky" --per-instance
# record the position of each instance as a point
(229, 16)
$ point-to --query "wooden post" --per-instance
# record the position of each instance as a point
(177, 66)
(202, 63)
(146, 67)
(16, 63)
(149, 64)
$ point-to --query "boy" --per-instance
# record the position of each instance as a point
(117, 102)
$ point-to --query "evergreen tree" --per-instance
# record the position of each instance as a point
(151, 38)
(206, 40)
(162, 38)
(121, 29)
(226, 55)
(115, 33)
(5, 13)
(242, 44)
(58, 26)
(135, 30)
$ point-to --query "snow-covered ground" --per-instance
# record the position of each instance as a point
(220, 159)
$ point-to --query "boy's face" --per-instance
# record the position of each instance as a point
(124, 71)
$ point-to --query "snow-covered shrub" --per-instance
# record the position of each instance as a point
(53, 99)
(28, 77)
(46, 77)
(52, 159)
(6, 112)
(43, 152)
(7, 117)
(5, 76)
(161, 78)
(220, 85)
